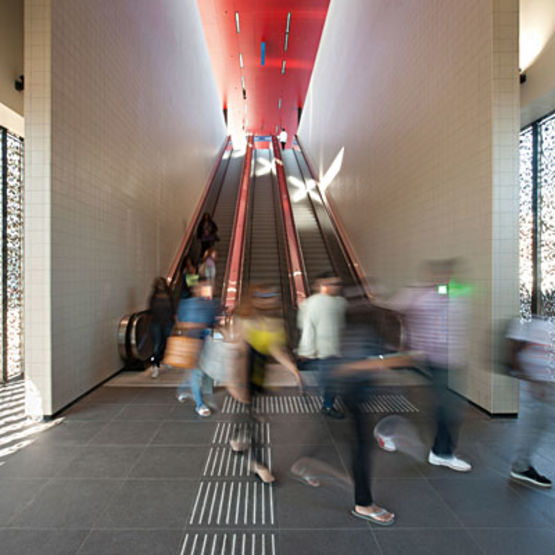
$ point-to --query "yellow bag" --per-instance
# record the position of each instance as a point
(182, 351)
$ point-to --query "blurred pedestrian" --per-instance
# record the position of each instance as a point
(321, 319)
(283, 138)
(207, 267)
(196, 315)
(161, 321)
(189, 277)
(434, 315)
(533, 361)
(263, 332)
(207, 233)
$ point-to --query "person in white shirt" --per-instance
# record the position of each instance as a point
(533, 361)
(283, 138)
(321, 319)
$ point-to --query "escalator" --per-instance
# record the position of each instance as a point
(219, 199)
(319, 244)
(266, 258)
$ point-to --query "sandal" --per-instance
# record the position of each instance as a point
(305, 480)
(203, 411)
(263, 473)
(382, 517)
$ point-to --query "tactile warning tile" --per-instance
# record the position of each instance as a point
(228, 544)
(235, 503)
(311, 404)
(240, 430)
(222, 462)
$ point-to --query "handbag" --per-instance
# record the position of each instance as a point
(182, 351)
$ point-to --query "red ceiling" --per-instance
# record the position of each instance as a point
(262, 20)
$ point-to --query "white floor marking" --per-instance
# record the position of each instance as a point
(229, 503)
(224, 544)
(246, 503)
(207, 461)
(204, 543)
(194, 544)
(214, 543)
(238, 502)
(196, 503)
(214, 497)
(273, 545)
(182, 552)
(221, 503)
(206, 493)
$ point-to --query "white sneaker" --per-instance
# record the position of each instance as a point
(155, 372)
(182, 397)
(452, 462)
(385, 443)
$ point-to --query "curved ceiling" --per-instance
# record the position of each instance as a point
(235, 31)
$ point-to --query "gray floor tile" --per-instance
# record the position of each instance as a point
(103, 412)
(70, 432)
(102, 461)
(302, 507)
(414, 502)
(15, 493)
(135, 542)
(146, 412)
(40, 460)
(126, 433)
(118, 395)
(185, 433)
(396, 541)
(299, 432)
(515, 541)
(479, 503)
(171, 462)
(69, 504)
(150, 504)
(316, 542)
(40, 542)
(155, 396)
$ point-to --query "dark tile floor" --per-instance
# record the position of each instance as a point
(129, 470)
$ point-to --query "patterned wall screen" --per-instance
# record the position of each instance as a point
(537, 218)
(12, 255)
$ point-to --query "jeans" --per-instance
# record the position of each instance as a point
(196, 381)
(447, 416)
(324, 367)
(354, 395)
(160, 333)
(534, 421)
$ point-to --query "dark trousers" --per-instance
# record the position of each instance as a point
(160, 333)
(447, 416)
(353, 398)
(256, 368)
(283, 146)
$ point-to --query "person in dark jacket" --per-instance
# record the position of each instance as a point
(207, 233)
(161, 321)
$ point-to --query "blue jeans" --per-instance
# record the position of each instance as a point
(324, 366)
(197, 379)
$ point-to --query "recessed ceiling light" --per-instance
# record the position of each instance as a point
(243, 81)
(241, 60)
(283, 67)
(279, 104)
(288, 22)
(237, 22)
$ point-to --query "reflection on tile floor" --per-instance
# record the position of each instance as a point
(131, 470)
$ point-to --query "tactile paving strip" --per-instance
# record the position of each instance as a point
(311, 404)
(240, 431)
(229, 544)
(222, 462)
(233, 503)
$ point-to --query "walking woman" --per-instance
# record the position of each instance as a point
(161, 321)
(264, 335)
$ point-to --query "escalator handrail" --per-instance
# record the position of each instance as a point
(348, 252)
(296, 268)
(173, 273)
(235, 264)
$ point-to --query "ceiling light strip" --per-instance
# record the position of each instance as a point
(241, 65)
(237, 22)
(283, 67)
(279, 104)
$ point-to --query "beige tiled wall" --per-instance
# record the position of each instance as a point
(423, 98)
(133, 125)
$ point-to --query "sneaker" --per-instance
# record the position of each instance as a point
(155, 372)
(332, 413)
(531, 476)
(203, 410)
(449, 461)
(182, 396)
(385, 443)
